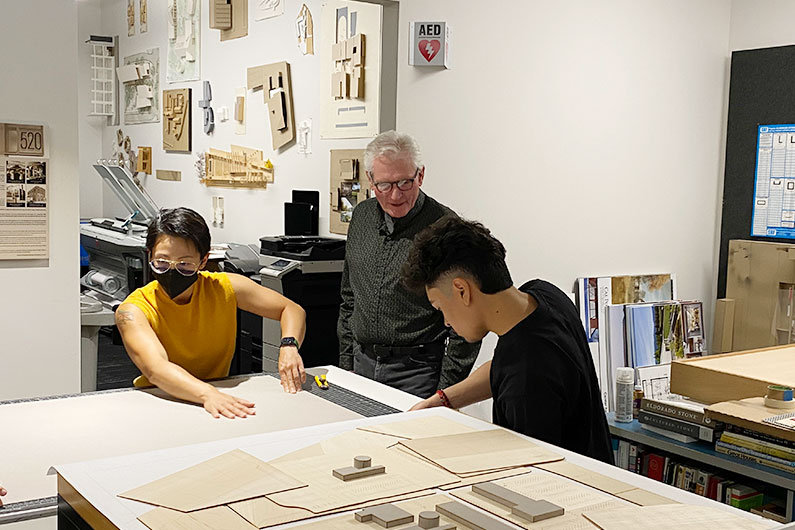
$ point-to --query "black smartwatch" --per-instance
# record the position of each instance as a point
(289, 341)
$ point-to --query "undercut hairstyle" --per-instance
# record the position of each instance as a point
(453, 245)
(179, 222)
(392, 145)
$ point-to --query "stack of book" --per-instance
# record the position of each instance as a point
(757, 447)
(679, 419)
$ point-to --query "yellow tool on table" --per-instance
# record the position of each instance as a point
(321, 382)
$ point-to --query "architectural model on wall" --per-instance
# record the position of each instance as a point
(103, 79)
(347, 175)
(220, 14)
(231, 17)
(240, 167)
(304, 29)
(141, 78)
(130, 18)
(205, 105)
(176, 120)
(351, 65)
(268, 9)
(143, 16)
(274, 79)
(183, 62)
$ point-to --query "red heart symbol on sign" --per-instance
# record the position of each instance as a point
(429, 48)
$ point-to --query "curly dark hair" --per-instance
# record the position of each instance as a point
(452, 244)
(179, 222)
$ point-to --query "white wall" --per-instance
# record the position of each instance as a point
(586, 135)
(39, 310)
(250, 214)
(756, 24)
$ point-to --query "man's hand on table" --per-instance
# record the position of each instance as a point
(433, 401)
(291, 369)
(2, 492)
(219, 404)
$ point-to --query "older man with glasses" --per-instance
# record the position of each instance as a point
(386, 332)
(180, 328)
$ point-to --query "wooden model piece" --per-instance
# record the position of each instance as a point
(347, 79)
(362, 467)
(220, 14)
(521, 506)
(470, 517)
(305, 29)
(274, 79)
(386, 515)
(240, 167)
(348, 186)
(21, 139)
(239, 26)
(429, 519)
(176, 120)
(144, 161)
(168, 174)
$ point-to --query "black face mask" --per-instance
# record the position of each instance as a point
(175, 283)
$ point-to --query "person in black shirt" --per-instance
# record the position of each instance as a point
(541, 377)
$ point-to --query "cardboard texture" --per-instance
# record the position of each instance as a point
(275, 81)
(241, 167)
(176, 120)
(643, 497)
(386, 515)
(349, 186)
(220, 14)
(723, 330)
(144, 161)
(305, 28)
(469, 517)
(753, 274)
(679, 516)
(239, 21)
(480, 451)
(263, 512)
(414, 506)
(168, 174)
(339, 443)
(209, 519)
(21, 139)
(325, 492)
(735, 375)
(234, 476)
(573, 498)
(587, 477)
(487, 477)
(750, 413)
(419, 428)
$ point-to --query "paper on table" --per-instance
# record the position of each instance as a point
(643, 497)
(230, 477)
(339, 443)
(679, 516)
(587, 477)
(480, 451)
(414, 507)
(574, 498)
(424, 427)
(325, 492)
(488, 477)
(263, 512)
(209, 519)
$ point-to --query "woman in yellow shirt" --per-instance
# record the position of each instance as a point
(180, 328)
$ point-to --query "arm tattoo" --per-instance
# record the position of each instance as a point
(123, 316)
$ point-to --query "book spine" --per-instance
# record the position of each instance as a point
(751, 458)
(758, 445)
(672, 411)
(678, 426)
(756, 454)
(759, 436)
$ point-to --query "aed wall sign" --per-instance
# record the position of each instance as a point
(430, 44)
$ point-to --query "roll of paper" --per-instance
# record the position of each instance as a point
(106, 282)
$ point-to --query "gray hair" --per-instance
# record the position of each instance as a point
(392, 145)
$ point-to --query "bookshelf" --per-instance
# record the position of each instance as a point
(705, 453)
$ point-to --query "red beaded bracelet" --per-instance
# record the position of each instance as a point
(443, 397)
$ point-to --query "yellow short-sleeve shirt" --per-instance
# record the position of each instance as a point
(198, 336)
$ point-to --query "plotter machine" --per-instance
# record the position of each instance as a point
(117, 247)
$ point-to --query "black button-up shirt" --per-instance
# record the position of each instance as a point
(376, 308)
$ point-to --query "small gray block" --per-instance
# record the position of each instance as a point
(350, 473)
(386, 515)
(361, 462)
(499, 494)
(536, 510)
(469, 517)
(428, 519)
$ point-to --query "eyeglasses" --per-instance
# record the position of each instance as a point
(402, 184)
(162, 266)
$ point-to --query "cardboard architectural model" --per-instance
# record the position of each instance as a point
(205, 105)
(347, 80)
(274, 79)
(531, 510)
(176, 120)
(220, 14)
(183, 62)
(349, 186)
(362, 467)
(386, 515)
(144, 161)
(240, 167)
(140, 76)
